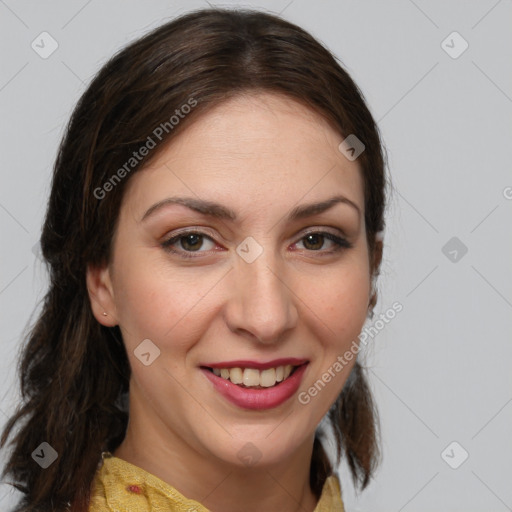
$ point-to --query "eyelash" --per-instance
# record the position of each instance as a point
(341, 243)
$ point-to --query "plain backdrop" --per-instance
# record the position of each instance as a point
(437, 76)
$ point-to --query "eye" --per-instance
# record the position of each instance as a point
(187, 242)
(315, 240)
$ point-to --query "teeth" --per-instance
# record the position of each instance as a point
(251, 377)
(236, 376)
(268, 378)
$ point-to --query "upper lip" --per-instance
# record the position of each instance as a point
(258, 365)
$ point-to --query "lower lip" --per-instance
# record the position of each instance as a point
(257, 399)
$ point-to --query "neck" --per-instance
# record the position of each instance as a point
(217, 485)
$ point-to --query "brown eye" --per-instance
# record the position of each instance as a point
(185, 244)
(191, 242)
(313, 241)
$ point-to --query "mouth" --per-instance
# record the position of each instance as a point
(253, 385)
(253, 378)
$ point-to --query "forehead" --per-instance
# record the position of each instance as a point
(257, 147)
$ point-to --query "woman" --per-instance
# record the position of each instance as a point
(213, 239)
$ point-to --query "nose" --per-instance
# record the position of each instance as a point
(262, 306)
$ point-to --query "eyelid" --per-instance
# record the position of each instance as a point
(324, 229)
(200, 230)
(168, 241)
(340, 242)
(171, 240)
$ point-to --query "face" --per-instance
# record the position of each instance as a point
(247, 297)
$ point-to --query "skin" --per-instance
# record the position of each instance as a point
(260, 155)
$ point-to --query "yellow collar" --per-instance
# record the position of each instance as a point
(122, 487)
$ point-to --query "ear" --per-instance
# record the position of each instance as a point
(101, 295)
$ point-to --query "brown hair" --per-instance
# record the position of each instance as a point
(74, 372)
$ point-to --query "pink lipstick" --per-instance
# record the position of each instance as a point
(256, 385)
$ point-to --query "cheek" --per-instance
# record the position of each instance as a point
(348, 306)
(336, 309)
(340, 306)
(158, 302)
(339, 297)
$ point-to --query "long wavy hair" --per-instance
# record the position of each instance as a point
(74, 372)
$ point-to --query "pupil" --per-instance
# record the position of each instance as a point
(190, 241)
(315, 240)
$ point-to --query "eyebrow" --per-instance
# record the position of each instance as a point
(219, 211)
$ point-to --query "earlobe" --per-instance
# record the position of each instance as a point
(101, 295)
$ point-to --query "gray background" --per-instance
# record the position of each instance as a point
(441, 369)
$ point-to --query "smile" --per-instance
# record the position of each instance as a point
(252, 385)
(254, 378)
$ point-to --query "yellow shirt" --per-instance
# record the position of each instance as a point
(122, 487)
